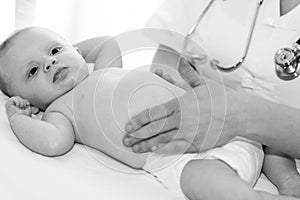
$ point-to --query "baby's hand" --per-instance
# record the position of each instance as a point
(18, 106)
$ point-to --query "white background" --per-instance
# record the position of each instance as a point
(80, 19)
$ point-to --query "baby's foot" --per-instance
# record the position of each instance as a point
(291, 186)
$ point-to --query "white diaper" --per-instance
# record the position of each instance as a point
(244, 156)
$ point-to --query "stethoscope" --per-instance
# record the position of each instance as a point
(286, 60)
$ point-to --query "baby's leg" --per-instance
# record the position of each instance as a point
(214, 179)
(281, 169)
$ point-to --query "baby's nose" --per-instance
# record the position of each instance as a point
(50, 64)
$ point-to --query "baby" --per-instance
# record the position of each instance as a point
(40, 69)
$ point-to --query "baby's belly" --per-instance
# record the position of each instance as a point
(104, 102)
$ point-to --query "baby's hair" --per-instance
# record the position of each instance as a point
(4, 46)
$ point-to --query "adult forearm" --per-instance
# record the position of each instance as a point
(273, 124)
(211, 117)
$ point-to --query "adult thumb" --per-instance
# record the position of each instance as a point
(189, 74)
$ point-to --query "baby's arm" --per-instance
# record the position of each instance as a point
(103, 51)
(51, 136)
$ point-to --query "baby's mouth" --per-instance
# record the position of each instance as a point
(60, 74)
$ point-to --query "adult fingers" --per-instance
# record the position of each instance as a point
(152, 114)
(167, 77)
(153, 144)
(154, 129)
(189, 74)
(159, 126)
(165, 144)
(177, 147)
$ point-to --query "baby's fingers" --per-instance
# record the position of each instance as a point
(16, 101)
(35, 110)
(17, 105)
(24, 103)
(19, 102)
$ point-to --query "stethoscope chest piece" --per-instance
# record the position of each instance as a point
(287, 64)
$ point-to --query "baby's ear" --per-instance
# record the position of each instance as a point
(78, 50)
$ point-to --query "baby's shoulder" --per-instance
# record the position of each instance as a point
(61, 105)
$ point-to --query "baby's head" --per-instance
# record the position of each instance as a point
(40, 66)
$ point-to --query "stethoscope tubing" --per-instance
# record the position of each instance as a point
(215, 61)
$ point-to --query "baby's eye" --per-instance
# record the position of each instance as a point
(55, 50)
(32, 71)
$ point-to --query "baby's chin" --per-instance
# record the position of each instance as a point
(73, 82)
(81, 76)
(78, 77)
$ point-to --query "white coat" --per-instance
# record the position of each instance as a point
(223, 34)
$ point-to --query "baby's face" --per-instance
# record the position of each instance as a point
(41, 66)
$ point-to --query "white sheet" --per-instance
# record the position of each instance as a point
(76, 175)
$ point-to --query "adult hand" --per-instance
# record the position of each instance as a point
(181, 125)
(187, 72)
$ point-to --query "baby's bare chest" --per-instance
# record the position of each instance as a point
(101, 105)
(107, 99)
